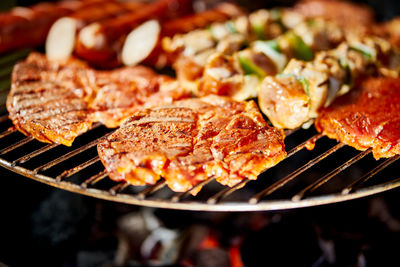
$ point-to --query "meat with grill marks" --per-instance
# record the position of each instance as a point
(191, 140)
(55, 101)
(368, 117)
(48, 100)
(121, 92)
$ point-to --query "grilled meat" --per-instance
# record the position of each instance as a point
(345, 13)
(56, 101)
(190, 51)
(121, 92)
(48, 101)
(230, 72)
(331, 74)
(191, 140)
(366, 117)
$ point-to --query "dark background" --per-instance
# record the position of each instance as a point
(45, 226)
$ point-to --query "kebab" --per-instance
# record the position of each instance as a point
(238, 75)
(189, 52)
(295, 96)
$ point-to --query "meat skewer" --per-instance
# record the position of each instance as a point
(190, 140)
(28, 26)
(147, 37)
(295, 96)
(100, 43)
(60, 40)
(238, 75)
(189, 52)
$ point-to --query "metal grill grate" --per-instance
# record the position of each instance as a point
(332, 172)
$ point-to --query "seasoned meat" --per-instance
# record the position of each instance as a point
(191, 140)
(345, 13)
(121, 92)
(48, 101)
(332, 73)
(56, 101)
(366, 117)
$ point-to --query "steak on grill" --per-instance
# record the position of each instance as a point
(56, 101)
(121, 92)
(48, 100)
(190, 140)
(366, 117)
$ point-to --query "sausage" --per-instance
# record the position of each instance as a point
(100, 43)
(28, 26)
(61, 38)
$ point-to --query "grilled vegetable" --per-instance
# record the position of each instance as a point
(249, 67)
(300, 49)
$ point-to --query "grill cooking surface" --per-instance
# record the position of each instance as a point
(332, 172)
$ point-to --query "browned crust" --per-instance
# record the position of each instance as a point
(191, 140)
(366, 118)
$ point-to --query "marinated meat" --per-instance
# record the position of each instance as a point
(366, 117)
(56, 101)
(342, 12)
(48, 100)
(191, 140)
(332, 73)
(121, 92)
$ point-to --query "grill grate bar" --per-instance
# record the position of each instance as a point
(35, 153)
(7, 132)
(310, 188)
(306, 143)
(118, 188)
(226, 192)
(180, 200)
(94, 179)
(369, 175)
(43, 149)
(70, 172)
(275, 186)
(151, 189)
(68, 155)
(177, 197)
(16, 145)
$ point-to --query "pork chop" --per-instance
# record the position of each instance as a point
(190, 140)
(55, 101)
(366, 117)
(48, 100)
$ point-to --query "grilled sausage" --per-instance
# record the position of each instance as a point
(100, 43)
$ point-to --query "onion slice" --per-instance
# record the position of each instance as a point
(60, 40)
(141, 42)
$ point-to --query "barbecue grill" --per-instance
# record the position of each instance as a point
(330, 173)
